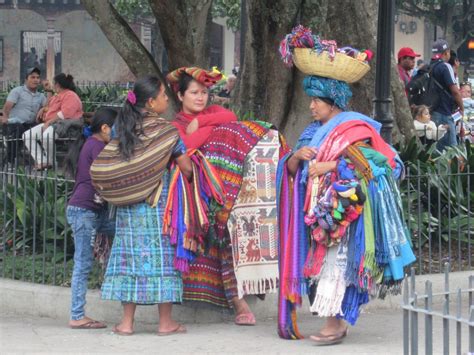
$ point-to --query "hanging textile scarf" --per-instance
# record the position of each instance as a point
(185, 218)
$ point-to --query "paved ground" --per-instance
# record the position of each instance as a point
(375, 334)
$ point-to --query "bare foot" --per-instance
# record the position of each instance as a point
(170, 326)
(330, 330)
(123, 328)
(241, 306)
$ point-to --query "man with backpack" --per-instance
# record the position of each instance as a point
(449, 97)
(436, 87)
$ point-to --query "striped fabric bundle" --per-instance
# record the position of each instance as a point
(185, 219)
(122, 182)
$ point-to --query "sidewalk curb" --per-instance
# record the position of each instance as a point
(36, 300)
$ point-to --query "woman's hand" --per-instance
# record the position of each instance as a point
(320, 168)
(305, 153)
(192, 126)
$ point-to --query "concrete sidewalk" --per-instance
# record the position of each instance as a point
(379, 333)
(33, 319)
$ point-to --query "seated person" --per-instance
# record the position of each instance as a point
(223, 97)
(20, 110)
(426, 129)
(466, 94)
(66, 104)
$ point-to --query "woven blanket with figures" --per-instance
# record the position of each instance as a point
(253, 220)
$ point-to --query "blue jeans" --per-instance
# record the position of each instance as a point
(449, 138)
(85, 224)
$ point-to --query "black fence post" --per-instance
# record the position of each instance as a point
(382, 101)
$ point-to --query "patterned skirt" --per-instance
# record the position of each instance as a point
(140, 268)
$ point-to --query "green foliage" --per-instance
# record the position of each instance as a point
(93, 97)
(456, 13)
(139, 10)
(134, 10)
(438, 192)
(30, 268)
(229, 9)
(37, 240)
(34, 214)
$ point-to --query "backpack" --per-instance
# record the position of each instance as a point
(424, 89)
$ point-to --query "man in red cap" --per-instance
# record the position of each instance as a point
(406, 63)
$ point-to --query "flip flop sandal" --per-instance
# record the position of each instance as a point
(93, 324)
(117, 331)
(333, 339)
(181, 329)
(247, 319)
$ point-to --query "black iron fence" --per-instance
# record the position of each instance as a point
(439, 212)
(36, 244)
(417, 305)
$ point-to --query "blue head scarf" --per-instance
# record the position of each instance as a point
(336, 90)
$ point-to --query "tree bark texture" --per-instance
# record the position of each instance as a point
(122, 38)
(185, 27)
(274, 93)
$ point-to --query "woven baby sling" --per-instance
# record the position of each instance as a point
(125, 182)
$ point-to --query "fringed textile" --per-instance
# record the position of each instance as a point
(376, 246)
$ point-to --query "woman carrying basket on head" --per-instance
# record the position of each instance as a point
(241, 257)
(343, 237)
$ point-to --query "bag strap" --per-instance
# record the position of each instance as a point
(437, 83)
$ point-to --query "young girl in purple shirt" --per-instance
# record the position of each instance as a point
(87, 213)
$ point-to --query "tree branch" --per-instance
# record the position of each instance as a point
(123, 39)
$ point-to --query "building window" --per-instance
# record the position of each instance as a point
(34, 47)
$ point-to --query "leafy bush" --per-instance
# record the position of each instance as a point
(34, 214)
(93, 97)
(437, 196)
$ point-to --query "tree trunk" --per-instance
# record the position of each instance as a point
(274, 93)
(125, 41)
(157, 46)
(266, 86)
(185, 28)
(122, 38)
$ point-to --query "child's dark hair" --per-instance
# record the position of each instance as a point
(103, 115)
(65, 81)
(130, 118)
(418, 110)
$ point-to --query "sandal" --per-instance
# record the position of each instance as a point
(93, 324)
(332, 339)
(245, 319)
(180, 329)
(117, 331)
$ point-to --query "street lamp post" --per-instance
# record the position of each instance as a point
(382, 101)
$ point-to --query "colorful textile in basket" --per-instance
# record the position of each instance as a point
(375, 247)
(253, 221)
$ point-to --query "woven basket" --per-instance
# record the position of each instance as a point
(342, 68)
